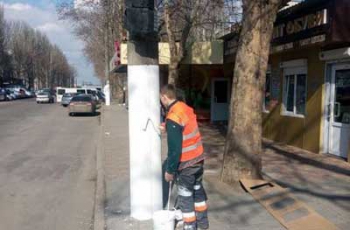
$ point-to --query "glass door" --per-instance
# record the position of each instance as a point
(220, 99)
(340, 110)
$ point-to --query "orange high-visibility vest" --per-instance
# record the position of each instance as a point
(191, 138)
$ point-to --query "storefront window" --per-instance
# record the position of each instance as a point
(290, 93)
(295, 94)
(301, 94)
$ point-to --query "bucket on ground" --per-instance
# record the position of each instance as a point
(164, 220)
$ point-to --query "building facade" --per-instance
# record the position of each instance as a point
(307, 93)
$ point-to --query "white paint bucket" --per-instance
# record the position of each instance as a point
(164, 220)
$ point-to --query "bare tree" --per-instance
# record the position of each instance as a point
(98, 24)
(5, 58)
(35, 59)
(101, 23)
(242, 157)
(187, 22)
(42, 59)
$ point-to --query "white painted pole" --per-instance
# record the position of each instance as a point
(144, 140)
(107, 92)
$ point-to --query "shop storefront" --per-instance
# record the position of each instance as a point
(307, 93)
(307, 96)
(201, 76)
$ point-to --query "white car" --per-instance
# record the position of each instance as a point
(44, 97)
(2, 95)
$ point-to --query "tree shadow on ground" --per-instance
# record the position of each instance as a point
(300, 171)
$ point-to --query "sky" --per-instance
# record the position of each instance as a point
(42, 15)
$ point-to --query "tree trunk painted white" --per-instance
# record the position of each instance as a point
(145, 142)
(107, 92)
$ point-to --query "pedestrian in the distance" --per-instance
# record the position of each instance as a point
(185, 159)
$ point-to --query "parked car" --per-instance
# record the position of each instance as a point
(22, 93)
(95, 97)
(82, 104)
(10, 95)
(100, 96)
(17, 93)
(31, 93)
(66, 98)
(27, 93)
(2, 94)
(45, 97)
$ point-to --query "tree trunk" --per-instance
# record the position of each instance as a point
(243, 147)
(106, 40)
(121, 29)
(173, 72)
(173, 66)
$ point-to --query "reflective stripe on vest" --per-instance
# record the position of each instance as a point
(188, 136)
(192, 147)
(183, 115)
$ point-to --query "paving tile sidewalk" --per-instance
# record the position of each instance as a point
(116, 142)
(322, 182)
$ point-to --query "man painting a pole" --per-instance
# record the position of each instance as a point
(185, 159)
(144, 115)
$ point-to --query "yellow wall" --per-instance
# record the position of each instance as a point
(301, 132)
(123, 54)
(201, 53)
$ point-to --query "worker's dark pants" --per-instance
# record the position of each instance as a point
(192, 197)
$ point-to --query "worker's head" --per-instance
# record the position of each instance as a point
(167, 94)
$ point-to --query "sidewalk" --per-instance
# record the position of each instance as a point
(322, 182)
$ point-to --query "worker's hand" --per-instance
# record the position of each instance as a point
(168, 177)
(162, 128)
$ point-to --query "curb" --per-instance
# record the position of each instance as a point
(100, 192)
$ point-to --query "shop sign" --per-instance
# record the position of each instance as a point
(301, 24)
(301, 30)
(300, 43)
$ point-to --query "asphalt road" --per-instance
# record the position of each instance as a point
(47, 167)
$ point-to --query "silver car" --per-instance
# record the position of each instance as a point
(82, 104)
(66, 98)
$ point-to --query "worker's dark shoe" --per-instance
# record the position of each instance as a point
(202, 220)
(202, 226)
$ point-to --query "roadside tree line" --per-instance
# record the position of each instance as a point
(28, 57)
